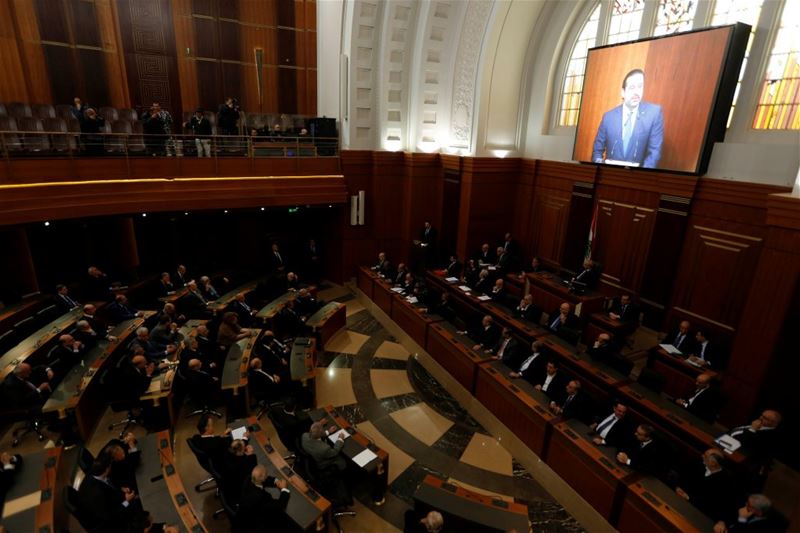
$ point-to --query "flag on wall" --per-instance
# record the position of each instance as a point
(592, 234)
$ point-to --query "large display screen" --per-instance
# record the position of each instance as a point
(659, 103)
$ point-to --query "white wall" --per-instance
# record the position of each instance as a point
(329, 47)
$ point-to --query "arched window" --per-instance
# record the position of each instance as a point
(573, 81)
(779, 99)
(626, 21)
(675, 16)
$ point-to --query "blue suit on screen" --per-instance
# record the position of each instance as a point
(644, 146)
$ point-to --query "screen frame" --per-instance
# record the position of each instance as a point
(717, 118)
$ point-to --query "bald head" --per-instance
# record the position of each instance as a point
(139, 361)
(703, 380)
(433, 522)
(195, 364)
(259, 474)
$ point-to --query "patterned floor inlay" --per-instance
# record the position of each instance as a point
(387, 383)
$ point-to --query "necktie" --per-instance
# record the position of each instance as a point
(626, 132)
(606, 424)
(503, 348)
(622, 313)
(527, 363)
(568, 400)
(679, 340)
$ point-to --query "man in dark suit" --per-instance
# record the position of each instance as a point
(757, 516)
(99, 327)
(153, 350)
(534, 267)
(554, 383)
(613, 430)
(645, 454)
(400, 275)
(483, 284)
(305, 303)
(533, 368)
(506, 349)
(165, 286)
(136, 376)
(125, 457)
(527, 311)
(576, 404)
(563, 321)
(63, 300)
(243, 310)
(760, 441)
(433, 522)
(428, 234)
(589, 276)
(194, 303)
(181, 277)
(96, 286)
(277, 261)
(510, 246)
(85, 334)
(441, 307)
(264, 385)
(681, 338)
(10, 465)
(205, 439)
(120, 310)
(258, 510)
(454, 267)
(26, 387)
(66, 354)
(710, 487)
(632, 132)
(504, 261)
(602, 350)
(235, 467)
(498, 292)
(485, 256)
(292, 324)
(706, 353)
(486, 335)
(704, 402)
(313, 261)
(105, 506)
(623, 309)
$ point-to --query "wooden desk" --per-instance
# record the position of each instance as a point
(38, 342)
(650, 505)
(687, 433)
(177, 492)
(591, 470)
(515, 284)
(411, 319)
(151, 482)
(223, 301)
(454, 352)
(327, 321)
(175, 296)
(20, 311)
(548, 293)
(235, 368)
(466, 304)
(679, 374)
(377, 470)
(465, 510)
(267, 313)
(524, 329)
(42, 478)
(382, 294)
(602, 323)
(599, 380)
(79, 391)
(303, 359)
(307, 508)
(515, 402)
(365, 278)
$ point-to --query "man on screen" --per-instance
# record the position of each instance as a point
(631, 133)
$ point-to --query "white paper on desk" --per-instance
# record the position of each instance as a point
(398, 290)
(238, 433)
(364, 457)
(670, 349)
(491, 267)
(451, 280)
(729, 443)
(483, 297)
(464, 288)
(335, 436)
(578, 309)
(412, 299)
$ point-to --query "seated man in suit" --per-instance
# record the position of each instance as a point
(153, 350)
(125, 457)
(563, 321)
(328, 460)
(85, 334)
(170, 310)
(504, 259)
(681, 338)
(207, 348)
(383, 267)
(181, 276)
(645, 454)
(483, 284)
(471, 273)
(274, 354)
(760, 441)
(265, 386)
(66, 354)
(105, 506)
(242, 310)
(602, 350)
(258, 509)
(63, 300)
(535, 266)
(706, 353)
(136, 376)
(486, 335)
(576, 403)
(207, 289)
(498, 292)
(623, 309)
(90, 316)
(454, 267)
(292, 324)
(442, 308)
(509, 245)
(485, 257)
(533, 368)
(506, 348)
(27, 387)
(166, 332)
(305, 303)
(433, 522)
(527, 311)
(710, 487)
(230, 331)
(207, 441)
(400, 276)
(165, 286)
(292, 282)
(236, 465)
(201, 385)
(705, 401)
(120, 310)
(589, 276)
(194, 302)
(613, 430)
(757, 516)
(554, 384)
(408, 283)
(631, 133)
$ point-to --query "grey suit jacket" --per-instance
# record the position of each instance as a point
(325, 456)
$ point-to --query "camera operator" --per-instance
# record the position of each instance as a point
(92, 129)
(228, 117)
(201, 127)
(156, 126)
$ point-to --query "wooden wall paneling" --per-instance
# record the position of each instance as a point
(92, 71)
(488, 187)
(285, 13)
(34, 68)
(258, 11)
(287, 90)
(523, 211)
(16, 270)
(206, 38)
(229, 47)
(386, 203)
(359, 246)
(183, 28)
(52, 18)
(64, 82)
(549, 216)
(422, 195)
(209, 83)
(311, 93)
(12, 84)
(232, 77)
(84, 21)
(299, 14)
(148, 38)
(578, 224)
(311, 15)
(117, 82)
(451, 207)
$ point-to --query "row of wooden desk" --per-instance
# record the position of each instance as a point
(628, 501)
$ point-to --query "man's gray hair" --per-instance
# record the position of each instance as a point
(760, 502)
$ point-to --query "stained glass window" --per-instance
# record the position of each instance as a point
(731, 12)
(675, 16)
(626, 19)
(779, 100)
(573, 81)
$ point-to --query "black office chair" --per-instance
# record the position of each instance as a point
(73, 504)
(329, 483)
(205, 462)
(7, 340)
(119, 399)
(85, 460)
(284, 435)
(652, 380)
(202, 398)
(30, 415)
(232, 510)
(621, 364)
